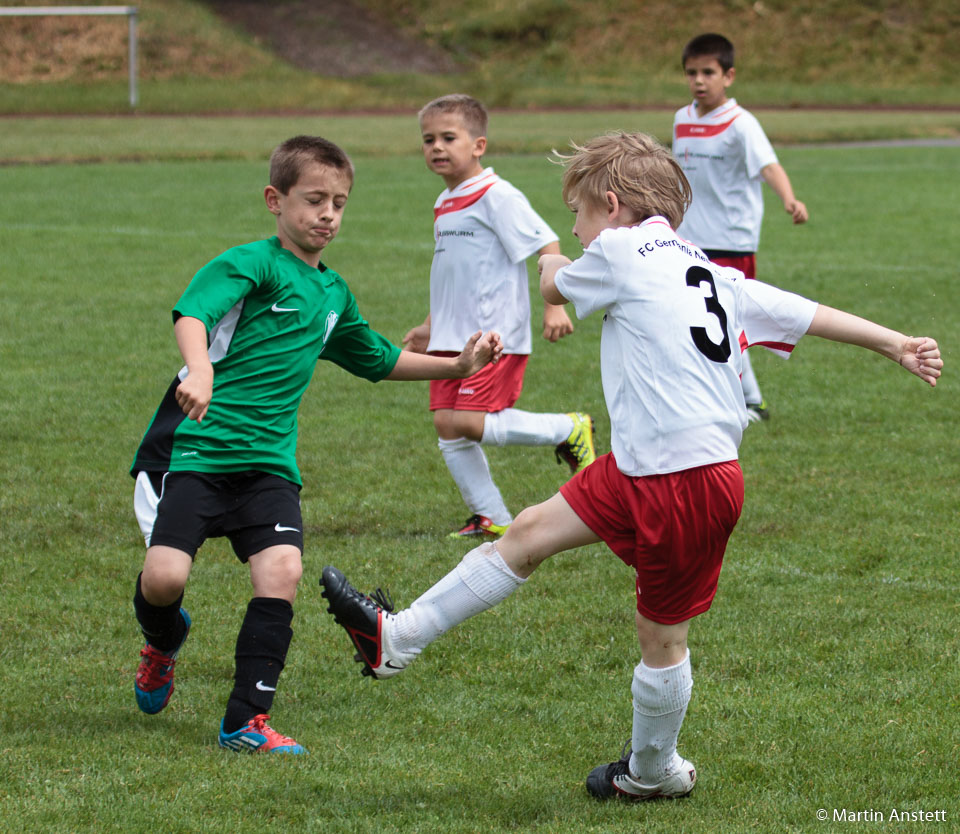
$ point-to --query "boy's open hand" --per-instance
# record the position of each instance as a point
(921, 356)
(479, 351)
(417, 338)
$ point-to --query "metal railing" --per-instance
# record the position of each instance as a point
(129, 11)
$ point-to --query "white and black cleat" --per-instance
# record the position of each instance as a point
(614, 781)
(363, 617)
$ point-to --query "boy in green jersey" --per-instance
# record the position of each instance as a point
(219, 457)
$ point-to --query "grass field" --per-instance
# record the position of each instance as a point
(99, 139)
(826, 674)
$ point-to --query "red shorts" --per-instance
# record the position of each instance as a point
(672, 529)
(747, 264)
(491, 389)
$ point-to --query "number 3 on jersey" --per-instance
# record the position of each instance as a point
(696, 276)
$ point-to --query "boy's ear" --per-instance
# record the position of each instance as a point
(613, 205)
(729, 75)
(618, 213)
(272, 198)
(479, 146)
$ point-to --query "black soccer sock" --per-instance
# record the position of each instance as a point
(261, 652)
(162, 625)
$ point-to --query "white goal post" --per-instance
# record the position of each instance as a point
(129, 11)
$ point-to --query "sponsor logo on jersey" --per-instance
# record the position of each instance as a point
(687, 130)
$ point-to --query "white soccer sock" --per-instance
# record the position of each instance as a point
(478, 582)
(748, 381)
(660, 698)
(514, 427)
(471, 473)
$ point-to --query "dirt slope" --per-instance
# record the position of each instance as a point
(337, 39)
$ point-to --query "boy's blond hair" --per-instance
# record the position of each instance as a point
(638, 169)
(473, 113)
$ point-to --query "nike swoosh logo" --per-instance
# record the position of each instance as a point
(264, 688)
(390, 665)
(278, 309)
(280, 529)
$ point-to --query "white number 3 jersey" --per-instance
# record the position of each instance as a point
(674, 327)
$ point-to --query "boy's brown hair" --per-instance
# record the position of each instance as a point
(473, 113)
(288, 159)
(638, 169)
(710, 45)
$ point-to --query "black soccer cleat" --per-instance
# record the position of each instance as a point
(363, 617)
(614, 781)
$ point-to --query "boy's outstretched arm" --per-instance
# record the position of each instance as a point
(478, 352)
(556, 321)
(918, 354)
(776, 177)
(195, 392)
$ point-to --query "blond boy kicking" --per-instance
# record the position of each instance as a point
(668, 495)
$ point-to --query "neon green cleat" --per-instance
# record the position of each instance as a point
(578, 450)
(757, 412)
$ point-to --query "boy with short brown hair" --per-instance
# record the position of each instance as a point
(219, 456)
(726, 156)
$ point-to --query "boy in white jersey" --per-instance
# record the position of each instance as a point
(726, 156)
(219, 456)
(484, 231)
(667, 497)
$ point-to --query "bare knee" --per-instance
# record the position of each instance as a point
(540, 531)
(451, 424)
(662, 644)
(276, 572)
(524, 547)
(528, 524)
(165, 574)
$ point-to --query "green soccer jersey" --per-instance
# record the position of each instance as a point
(269, 318)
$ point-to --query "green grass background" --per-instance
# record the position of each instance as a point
(826, 674)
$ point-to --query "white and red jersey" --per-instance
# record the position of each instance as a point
(722, 154)
(485, 229)
(674, 326)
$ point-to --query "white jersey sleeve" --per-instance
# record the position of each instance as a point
(774, 318)
(587, 283)
(758, 152)
(521, 231)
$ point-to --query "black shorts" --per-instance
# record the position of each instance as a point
(254, 510)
